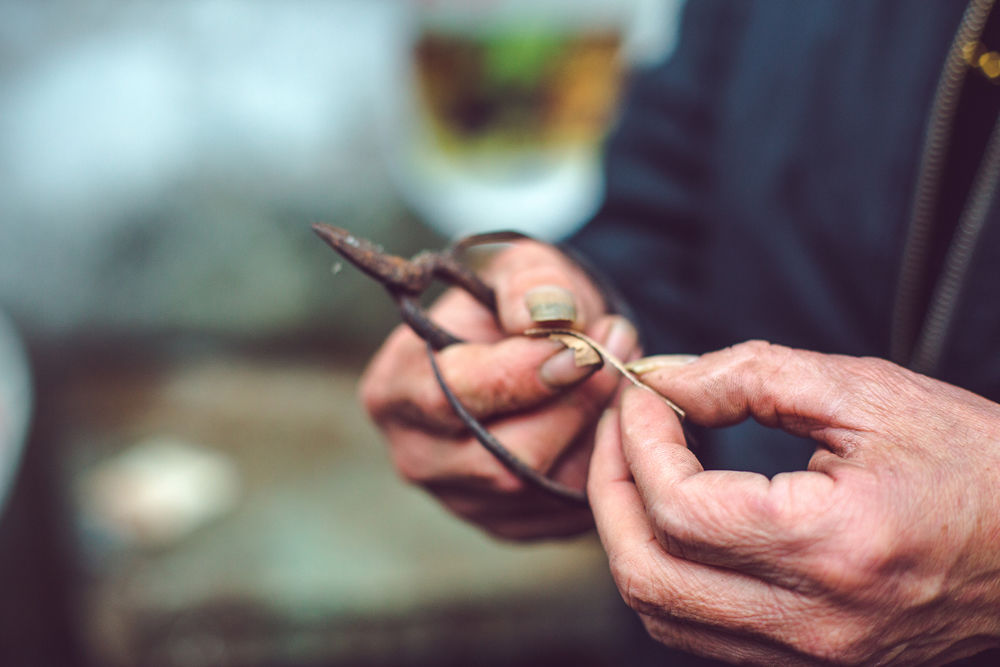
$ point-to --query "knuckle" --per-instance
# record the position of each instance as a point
(753, 348)
(860, 573)
(761, 355)
(753, 351)
(756, 365)
(838, 644)
(865, 572)
(433, 403)
(793, 517)
(830, 575)
(410, 467)
(751, 357)
(876, 556)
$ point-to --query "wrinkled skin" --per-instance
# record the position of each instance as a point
(885, 551)
(546, 418)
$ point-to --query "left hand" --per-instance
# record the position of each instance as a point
(530, 394)
(886, 550)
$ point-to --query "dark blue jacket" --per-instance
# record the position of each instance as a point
(760, 185)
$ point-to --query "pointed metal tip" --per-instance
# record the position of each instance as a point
(329, 233)
(392, 271)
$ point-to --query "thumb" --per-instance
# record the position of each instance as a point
(531, 274)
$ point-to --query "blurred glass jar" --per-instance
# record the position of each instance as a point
(506, 104)
(519, 75)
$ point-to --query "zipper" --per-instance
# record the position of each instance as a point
(906, 330)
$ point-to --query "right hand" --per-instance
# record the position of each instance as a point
(528, 392)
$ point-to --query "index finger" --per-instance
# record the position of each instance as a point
(530, 265)
(805, 393)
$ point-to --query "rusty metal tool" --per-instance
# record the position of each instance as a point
(406, 280)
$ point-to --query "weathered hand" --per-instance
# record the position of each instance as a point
(886, 550)
(515, 384)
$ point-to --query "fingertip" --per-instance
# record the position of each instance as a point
(651, 434)
(674, 374)
(542, 289)
(660, 361)
(621, 338)
(562, 370)
(607, 426)
(645, 407)
(557, 288)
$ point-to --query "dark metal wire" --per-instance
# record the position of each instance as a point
(405, 280)
(507, 458)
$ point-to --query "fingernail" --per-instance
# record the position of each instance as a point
(648, 364)
(560, 369)
(622, 338)
(551, 304)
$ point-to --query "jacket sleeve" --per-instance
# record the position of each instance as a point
(647, 237)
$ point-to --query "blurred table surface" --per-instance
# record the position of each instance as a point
(328, 558)
(160, 165)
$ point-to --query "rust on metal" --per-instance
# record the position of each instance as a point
(396, 273)
(406, 280)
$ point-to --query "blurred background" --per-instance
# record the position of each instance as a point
(186, 477)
